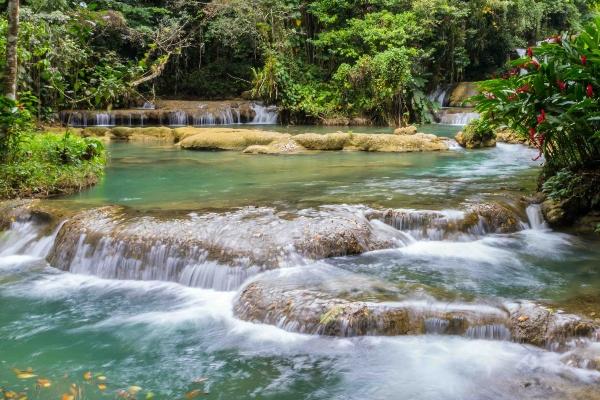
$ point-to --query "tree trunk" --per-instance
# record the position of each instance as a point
(11, 49)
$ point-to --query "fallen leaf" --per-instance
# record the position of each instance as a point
(193, 394)
(10, 394)
(44, 383)
(523, 318)
(101, 386)
(67, 396)
(26, 375)
(87, 376)
(134, 389)
(101, 378)
(149, 395)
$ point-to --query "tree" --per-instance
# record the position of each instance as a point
(12, 38)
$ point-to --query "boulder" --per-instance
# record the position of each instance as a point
(329, 141)
(225, 138)
(470, 141)
(506, 135)
(396, 143)
(280, 146)
(406, 130)
(461, 92)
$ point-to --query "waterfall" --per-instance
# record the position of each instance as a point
(24, 237)
(457, 118)
(264, 115)
(104, 119)
(204, 119)
(178, 118)
(148, 106)
(536, 218)
(439, 95)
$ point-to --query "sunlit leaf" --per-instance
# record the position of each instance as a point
(149, 395)
(193, 394)
(87, 376)
(101, 386)
(10, 394)
(134, 389)
(44, 383)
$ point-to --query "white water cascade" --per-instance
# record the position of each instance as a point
(456, 118)
(264, 115)
(536, 218)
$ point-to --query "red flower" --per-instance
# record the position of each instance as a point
(562, 85)
(512, 97)
(523, 89)
(589, 90)
(583, 60)
(529, 52)
(554, 39)
(542, 117)
(532, 135)
(535, 63)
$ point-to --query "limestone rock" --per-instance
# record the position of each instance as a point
(406, 130)
(473, 142)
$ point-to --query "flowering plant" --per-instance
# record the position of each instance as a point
(553, 101)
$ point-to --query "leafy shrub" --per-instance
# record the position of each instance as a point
(478, 130)
(562, 185)
(51, 164)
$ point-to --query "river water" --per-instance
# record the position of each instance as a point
(162, 336)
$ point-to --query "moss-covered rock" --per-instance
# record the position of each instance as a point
(330, 141)
(396, 143)
(225, 138)
(506, 135)
(476, 135)
(406, 130)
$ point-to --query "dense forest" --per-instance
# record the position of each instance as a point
(314, 59)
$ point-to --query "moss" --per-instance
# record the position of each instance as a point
(476, 135)
(51, 164)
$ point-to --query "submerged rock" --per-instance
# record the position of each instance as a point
(317, 302)
(213, 250)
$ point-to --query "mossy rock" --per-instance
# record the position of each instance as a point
(406, 130)
(95, 131)
(225, 138)
(476, 136)
(330, 141)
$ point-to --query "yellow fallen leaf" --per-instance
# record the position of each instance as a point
(101, 386)
(26, 375)
(523, 318)
(23, 398)
(67, 396)
(10, 394)
(134, 389)
(149, 395)
(193, 394)
(87, 376)
(44, 383)
(101, 378)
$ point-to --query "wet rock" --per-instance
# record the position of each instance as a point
(282, 146)
(406, 130)
(477, 220)
(474, 142)
(113, 244)
(541, 326)
(294, 301)
(329, 141)
(151, 134)
(461, 93)
(396, 143)
(225, 138)
(506, 135)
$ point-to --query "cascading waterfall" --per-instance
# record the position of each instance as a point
(178, 118)
(264, 115)
(456, 118)
(104, 119)
(535, 217)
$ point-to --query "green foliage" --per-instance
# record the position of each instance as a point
(15, 117)
(478, 130)
(556, 102)
(562, 185)
(51, 164)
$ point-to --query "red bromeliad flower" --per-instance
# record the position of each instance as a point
(532, 135)
(542, 117)
(529, 52)
(562, 85)
(535, 63)
(526, 88)
(583, 60)
(589, 90)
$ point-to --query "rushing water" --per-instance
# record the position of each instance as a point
(162, 336)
